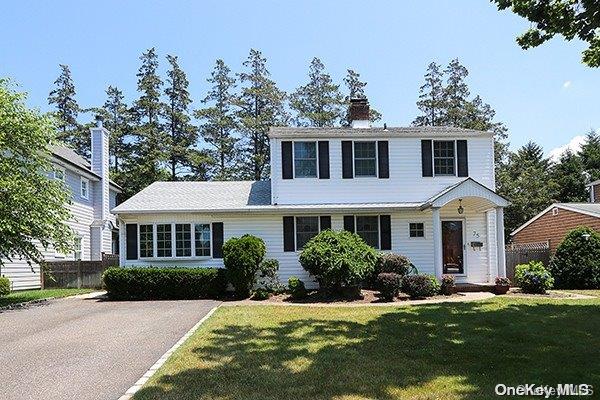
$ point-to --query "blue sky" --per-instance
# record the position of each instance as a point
(544, 94)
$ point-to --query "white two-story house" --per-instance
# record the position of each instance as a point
(92, 197)
(425, 192)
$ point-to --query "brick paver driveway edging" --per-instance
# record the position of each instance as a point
(88, 349)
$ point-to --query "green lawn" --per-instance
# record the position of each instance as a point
(28, 295)
(588, 292)
(445, 351)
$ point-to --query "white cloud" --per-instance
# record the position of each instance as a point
(567, 84)
(574, 145)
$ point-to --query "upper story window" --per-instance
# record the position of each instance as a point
(306, 229)
(146, 240)
(367, 227)
(305, 159)
(365, 159)
(58, 173)
(444, 158)
(85, 188)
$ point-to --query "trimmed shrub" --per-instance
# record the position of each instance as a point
(4, 286)
(501, 281)
(242, 257)
(296, 288)
(576, 263)
(164, 283)
(261, 294)
(448, 286)
(533, 277)
(389, 285)
(396, 263)
(420, 286)
(340, 261)
(267, 276)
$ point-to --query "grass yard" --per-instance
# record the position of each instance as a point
(28, 295)
(587, 292)
(445, 351)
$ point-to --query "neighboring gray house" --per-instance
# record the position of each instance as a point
(93, 195)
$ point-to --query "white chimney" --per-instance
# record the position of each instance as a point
(359, 113)
(100, 166)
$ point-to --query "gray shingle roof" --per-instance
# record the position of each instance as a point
(75, 159)
(199, 196)
(411, 131)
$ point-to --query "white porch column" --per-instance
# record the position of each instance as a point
(437, 243)
(500, 241)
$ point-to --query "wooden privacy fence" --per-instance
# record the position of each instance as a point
(523, 253)
(77, 274)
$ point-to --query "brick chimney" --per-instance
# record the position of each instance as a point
(359, 112)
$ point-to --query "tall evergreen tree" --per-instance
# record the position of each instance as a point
(319, 102)
(219, 124)
(569, 180)
(67, 110)
(526, 181)
(431, 101)
(261, 105)
(182, 134)
(590, 155)
(148, 159)
(456, 94)
(356, 89)
(117, 119)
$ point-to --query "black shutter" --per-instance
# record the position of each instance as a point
(289, 244)
(463, 158)
(384, 159)
(286, 160)
(426, 158)
(347, 172)
(349, 223)
(323, 159)
(325, 222)
(385, 225)
(131, 252)
(217, 240)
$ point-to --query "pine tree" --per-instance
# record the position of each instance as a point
(67, 110)
(568, 177)
(590, 155)
(431, 98)
(455, 94)
(261, 105)
(319, 102)
(146, 165)
(117, 119)
(182, 134)
(356, 89)
(526, 181)
(219, 123)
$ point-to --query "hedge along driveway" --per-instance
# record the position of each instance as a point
(88, 349)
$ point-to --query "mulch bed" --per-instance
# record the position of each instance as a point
(367, 296)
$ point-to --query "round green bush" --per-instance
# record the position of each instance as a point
(297, 288)
(576, 263)
(389, 285)
(4, 286)
(242, 257)
(267, 277)
(533, 277)
(396, 263)
(338, 260)
(420, 286)
(448, 286)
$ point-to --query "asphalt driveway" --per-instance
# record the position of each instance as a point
(88, 349)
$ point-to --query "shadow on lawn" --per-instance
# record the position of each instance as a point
(427, 352)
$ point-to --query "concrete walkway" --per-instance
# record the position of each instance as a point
(88, 349)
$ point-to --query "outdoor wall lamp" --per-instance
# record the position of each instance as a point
(461, 209)
(586, 236)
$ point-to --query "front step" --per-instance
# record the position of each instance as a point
(475, 287)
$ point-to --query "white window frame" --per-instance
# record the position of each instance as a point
(78, 240)
(433, 157)
(354, 159)
(85, 181)
(55, 169)
(378, 227)
(316, 142)
(174, 241)
(417, 237)
(298, 248)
